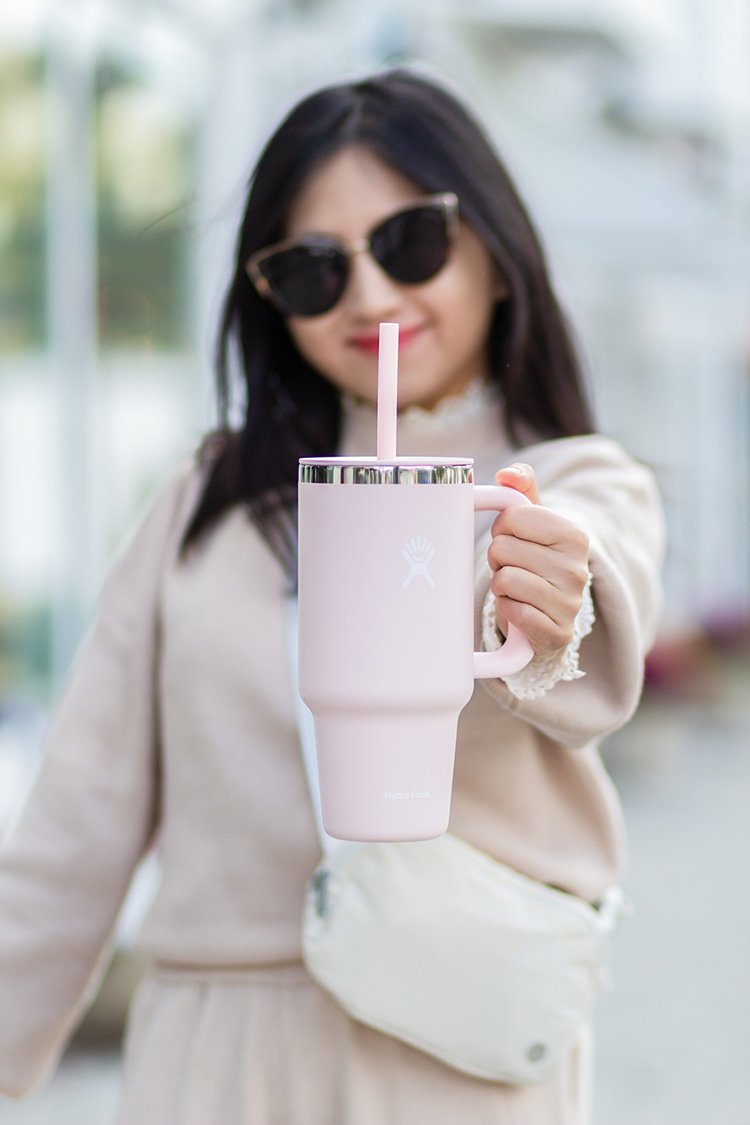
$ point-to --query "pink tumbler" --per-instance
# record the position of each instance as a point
(386, 612)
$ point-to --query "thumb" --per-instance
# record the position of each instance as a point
(520, 476)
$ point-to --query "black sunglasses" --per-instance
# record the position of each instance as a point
(307, 276)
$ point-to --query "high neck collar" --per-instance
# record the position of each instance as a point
(465, 425)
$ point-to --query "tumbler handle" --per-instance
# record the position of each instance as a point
(516, 652)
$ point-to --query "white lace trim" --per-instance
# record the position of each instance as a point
(472, 403)
(542, 673)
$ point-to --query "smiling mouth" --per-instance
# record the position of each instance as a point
(370, 344)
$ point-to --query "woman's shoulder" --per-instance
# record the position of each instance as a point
(593, 453)
(175, 491)
(179, 489)
(165, 512)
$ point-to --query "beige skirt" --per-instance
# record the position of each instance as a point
(269, 1047)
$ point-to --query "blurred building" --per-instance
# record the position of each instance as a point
(627, 125)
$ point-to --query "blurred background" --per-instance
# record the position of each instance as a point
(128, 129)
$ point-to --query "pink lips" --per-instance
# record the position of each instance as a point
(369, 343)
(365, 344)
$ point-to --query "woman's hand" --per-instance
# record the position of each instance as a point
(540, 566)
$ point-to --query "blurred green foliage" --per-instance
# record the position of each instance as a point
(143, 157)
(142, 144)
(22, 203)
(143, 153)
(25, 648)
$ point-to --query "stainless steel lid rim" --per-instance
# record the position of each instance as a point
(345, 470)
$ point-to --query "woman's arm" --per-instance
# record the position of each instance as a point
(601, 514)
(66, 865)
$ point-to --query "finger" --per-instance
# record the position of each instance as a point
(543, 634)
(537, 524)
(566, 571)
(560, 606)
(520, 476)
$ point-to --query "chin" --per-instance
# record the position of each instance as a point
(426, 396)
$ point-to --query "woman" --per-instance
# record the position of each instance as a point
(374, 201)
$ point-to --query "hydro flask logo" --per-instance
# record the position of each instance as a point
(419, 553)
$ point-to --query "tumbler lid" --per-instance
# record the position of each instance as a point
(402, 470)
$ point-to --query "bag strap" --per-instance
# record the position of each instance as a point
(306, 728)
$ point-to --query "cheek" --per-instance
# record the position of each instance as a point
(312, 338)
(470, 278)
(467, 298)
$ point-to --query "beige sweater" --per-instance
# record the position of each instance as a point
(178, 716)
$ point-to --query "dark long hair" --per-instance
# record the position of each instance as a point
(291, 411)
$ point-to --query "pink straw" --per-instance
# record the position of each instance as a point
(387, 391)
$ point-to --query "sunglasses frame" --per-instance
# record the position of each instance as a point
(447, 201)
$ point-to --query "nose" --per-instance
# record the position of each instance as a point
(370, 293)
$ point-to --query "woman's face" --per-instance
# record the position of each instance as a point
(444, 322)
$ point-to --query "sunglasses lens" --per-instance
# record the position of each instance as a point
(309, 278)
(413, 245)
(306, 280)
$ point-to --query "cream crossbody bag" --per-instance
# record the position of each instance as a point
(443, 947)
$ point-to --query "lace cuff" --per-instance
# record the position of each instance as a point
(542, 673)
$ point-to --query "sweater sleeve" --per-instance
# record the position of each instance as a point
(67, 862)
(614, 499)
